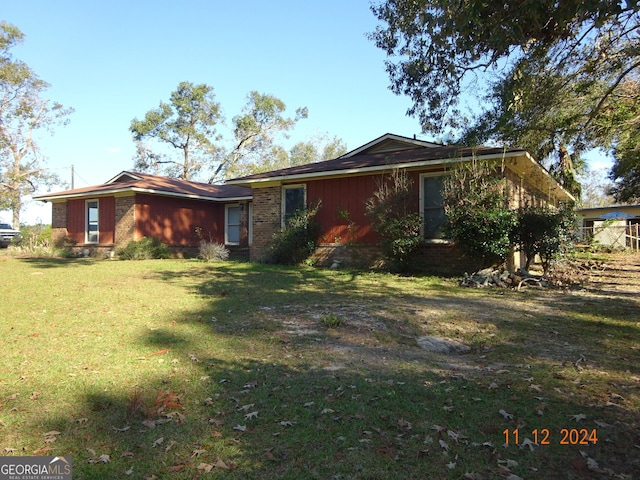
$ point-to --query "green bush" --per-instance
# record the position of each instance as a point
(478, 215)
(392, 211)
(543, 231)
(295, 242)
(144, 249)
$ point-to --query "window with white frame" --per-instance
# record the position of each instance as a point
(232, 225)
(294, 199)
(432, 205)
(92, 226)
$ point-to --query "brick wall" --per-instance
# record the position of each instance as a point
(125, 220)
(266, 218)
(58, 223)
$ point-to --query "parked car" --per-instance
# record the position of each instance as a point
(8, 235)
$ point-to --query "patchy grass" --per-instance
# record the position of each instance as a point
(183, 369)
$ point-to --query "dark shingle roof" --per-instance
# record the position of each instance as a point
(364, 162)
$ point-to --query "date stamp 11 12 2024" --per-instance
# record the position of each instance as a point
(545, 436)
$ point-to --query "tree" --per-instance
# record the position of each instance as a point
(254, 133)
(318, 149)
(551, 70)
(626, 169)
(23, 111)
(187, 124)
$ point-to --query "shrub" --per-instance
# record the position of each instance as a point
(297, 240)
(209, 250)
(543, 231)
(392, 211)
(478, 215)
(144, 249)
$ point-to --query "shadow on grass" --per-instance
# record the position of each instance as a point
(252, 403)
(47, 262)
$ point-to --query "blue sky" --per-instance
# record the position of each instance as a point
(113, 61)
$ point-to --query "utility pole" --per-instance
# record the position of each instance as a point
(72, 176)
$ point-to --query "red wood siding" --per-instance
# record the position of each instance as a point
(76, 219)
(347, 196)
(342, 214)
(107, 219)
(174, 220)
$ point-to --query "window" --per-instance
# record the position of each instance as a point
(92, 230)
(432, 202)
(232, 223)
(294, 199)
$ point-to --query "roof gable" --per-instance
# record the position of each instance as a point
(135, 182)
(390, 143)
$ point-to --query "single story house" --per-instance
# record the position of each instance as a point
(615, 226)
(245, 212)
(133, 205)
(344, 184)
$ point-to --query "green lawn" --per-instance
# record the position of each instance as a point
(183, 369)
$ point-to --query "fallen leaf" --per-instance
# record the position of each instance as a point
(241, 428)
(177, 467)
(205, 467)
(528, 443)
(170, 446)
(493, 386)
(159, 352)
(286, 423)
(128, 472)
(506, 415)
(327, 410)
(157, 442)
(251, 415)
(537, 388)
(402, 423)
(444, 445)
(42, 450)
(123, 429)
(198, 452)
(9, 450)
(451, 465)
(104, 458)
(246, 407)
(126, 455)
(578, 417)
(34, 395)
(251, 384)
(224, 465)
(602, 424)
(82, 420)
(149, 423)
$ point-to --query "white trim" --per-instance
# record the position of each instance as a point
(390, 136)
(86, 221)
(226, 222)
(283, 202)
(62, 195)
(413, 165)
(250, 221)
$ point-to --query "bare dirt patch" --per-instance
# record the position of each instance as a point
(376, 335)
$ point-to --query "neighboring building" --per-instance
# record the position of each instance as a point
(344, 184)
(246, 212)
(134, 205)
(616, 226)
